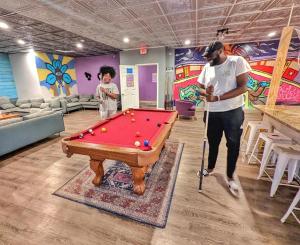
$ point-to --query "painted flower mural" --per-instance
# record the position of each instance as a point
(56, 73)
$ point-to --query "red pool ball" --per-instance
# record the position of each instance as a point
(137, 134)
(132, 120)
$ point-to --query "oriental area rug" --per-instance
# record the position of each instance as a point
(115, 194)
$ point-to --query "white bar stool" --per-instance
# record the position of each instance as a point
(291, 208)
(269, 139)
(288, 155)
(253, 127)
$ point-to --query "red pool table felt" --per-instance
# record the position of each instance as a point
(121, 131)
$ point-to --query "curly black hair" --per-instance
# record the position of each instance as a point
(105, 70)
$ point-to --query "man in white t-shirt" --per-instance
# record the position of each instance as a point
(224, 79)
(107, 92)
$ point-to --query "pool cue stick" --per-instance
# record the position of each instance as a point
(204, 147)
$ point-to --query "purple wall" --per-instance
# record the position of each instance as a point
(147, 88)
(91, 65)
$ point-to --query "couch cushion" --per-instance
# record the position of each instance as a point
(94, 100)
(84, 99)
(90, 103)
(25, 106)
(73, 104)
(7, 106)
(10, 121)
(4, 100)
(37, 114)
(44, 105)
(20, 102)
(54, 103)
(36, 104)
(74, 100)
(40, 100)
(85, 96)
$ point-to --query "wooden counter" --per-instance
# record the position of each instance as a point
(285, 119)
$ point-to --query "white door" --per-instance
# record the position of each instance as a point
(129, 86)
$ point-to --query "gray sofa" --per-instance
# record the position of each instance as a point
(76, 102)
(19, 132)
(29, 106)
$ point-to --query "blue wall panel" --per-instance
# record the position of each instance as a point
(7, 83)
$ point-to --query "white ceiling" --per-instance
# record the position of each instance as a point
(161, 22)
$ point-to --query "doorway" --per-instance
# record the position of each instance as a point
(148, 85)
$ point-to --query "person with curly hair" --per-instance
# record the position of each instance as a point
(107, 92)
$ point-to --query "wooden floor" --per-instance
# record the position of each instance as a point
(30, 214)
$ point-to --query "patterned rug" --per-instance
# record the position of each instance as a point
(115, 194)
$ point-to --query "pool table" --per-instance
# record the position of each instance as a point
(115, 138)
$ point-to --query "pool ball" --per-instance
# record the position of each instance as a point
(103, 130)
(132, 114)
(137, 134)
(127, 112)
(132, 120)
(81, 136)
(146, 142)
(137, 143)
(159, 124)
(148, 119)
(91, 131)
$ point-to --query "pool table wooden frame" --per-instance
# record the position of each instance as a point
(138, 160)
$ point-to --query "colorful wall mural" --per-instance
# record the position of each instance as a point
(56, 74)
(261, 57)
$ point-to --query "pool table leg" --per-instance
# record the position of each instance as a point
(97, 166)
(138, 175)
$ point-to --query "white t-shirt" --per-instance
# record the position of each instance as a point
(223, 78)
(106, 102)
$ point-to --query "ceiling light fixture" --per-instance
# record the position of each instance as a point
(21, 42)
(187, 42)
(272, 34)
(126, 40)
(65, 51)
(3, 25)
(79, 45)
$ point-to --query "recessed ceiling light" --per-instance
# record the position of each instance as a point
(272, 34)
(79, 45)
(187, 42)
(3, 25)
(20, 41)
(126, 40)
(65, 51)
(82, 40)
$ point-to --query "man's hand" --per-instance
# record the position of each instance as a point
(211, 98)
(210, 90)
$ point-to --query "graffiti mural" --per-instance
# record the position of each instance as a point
(261, 57)
(56, 74)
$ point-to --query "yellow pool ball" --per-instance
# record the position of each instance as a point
(103, 130)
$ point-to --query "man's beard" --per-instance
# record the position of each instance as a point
(215, 61)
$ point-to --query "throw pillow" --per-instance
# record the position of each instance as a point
(74, 100)
(7, 106)
(25, 106)
(44, 105)
(84, 99)
(20, 102)
(36, 104)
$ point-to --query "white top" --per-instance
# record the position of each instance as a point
(106, 102)
(223, 78)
